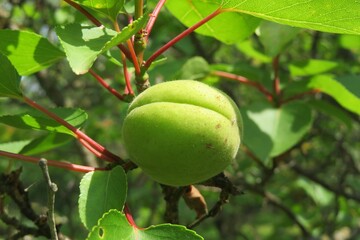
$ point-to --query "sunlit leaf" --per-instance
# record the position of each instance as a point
(39, 121)
(83, 44)
(27, 51)
(114, 226)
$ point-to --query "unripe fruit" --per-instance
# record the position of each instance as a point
(182, 132)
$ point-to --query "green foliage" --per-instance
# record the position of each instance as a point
(101, 192)
(28, 51)
(39, 121)
(272, 131)
(10, 79)
(83, 44)
(114, 226)
(297, 88)
(109, 8)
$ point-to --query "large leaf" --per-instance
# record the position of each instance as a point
(27, 51)
(83, 44)
(101, 191)
(109, 8)
(9, 79)
(345, 90)
(322, 15)
(39, 121)
(228, 27)
(271, 131)
(114, 226)
(275, 37)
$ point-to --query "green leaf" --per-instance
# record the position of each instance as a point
(322, 15)
(83, 44)
(332, 111)
(275, 37)
(319, 194)
(228, 27)
(101, 191)
(247, 48)
(9, 79)
(39, 121)
(345, 90)
(37, 145)
(45, 143)
(271, 131)
(311, 67)
(27, 51)
(351, 42)
(194, 68)
(109, 8)
(14, 147)
(114, 226)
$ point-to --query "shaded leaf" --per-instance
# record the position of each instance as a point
(9, 79)
(101, 191)
(114, 226)
(194, 68)
(271, 131)
(39, 121)
(275, 37)
(83, 44)
(14, 147)
(27, 51)
(332, 111)
(45, 143)
(109, 8)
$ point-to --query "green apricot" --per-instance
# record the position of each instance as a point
(182, 132)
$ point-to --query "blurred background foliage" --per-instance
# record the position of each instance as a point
(309, 192)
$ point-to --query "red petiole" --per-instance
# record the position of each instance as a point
(64, 165)
(92, 145)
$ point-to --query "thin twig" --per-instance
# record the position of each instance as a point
(52, 189)
(105, 85)
(180, 36)
(64, 165)
(246, 81)
(153, 17)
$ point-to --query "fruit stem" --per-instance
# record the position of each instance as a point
(103, 152)
(64, 165)
(246, 81)
(180, 36)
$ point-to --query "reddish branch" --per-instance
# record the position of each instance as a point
(105, 85)
(179, 37)
(83, 11)
(276, 81)
(153, 17)
(64, 165)
(244, 80)
(92, 145)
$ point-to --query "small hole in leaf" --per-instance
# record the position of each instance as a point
(101, 232)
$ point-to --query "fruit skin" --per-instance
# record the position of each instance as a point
(182, 132)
